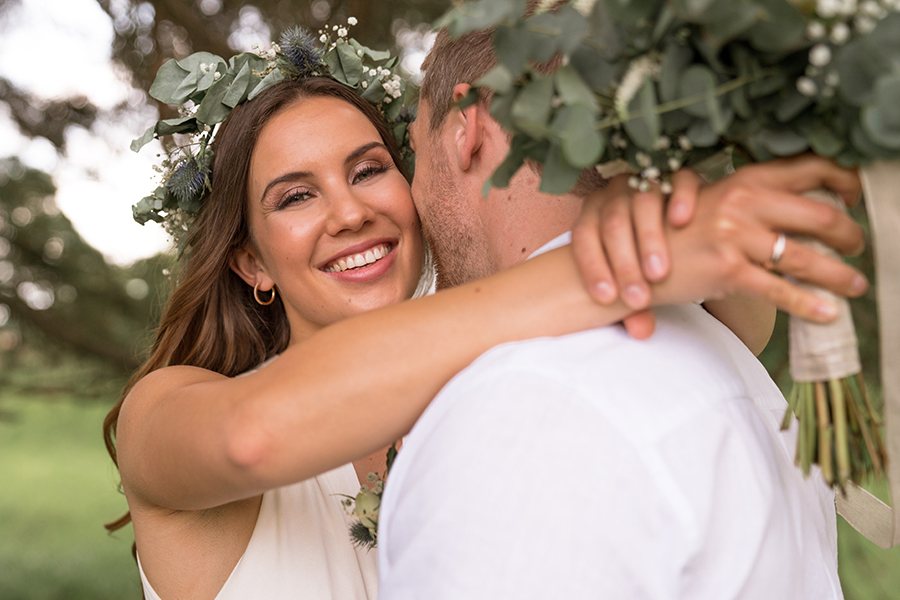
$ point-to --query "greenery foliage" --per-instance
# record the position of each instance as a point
(208, 88)
(659, 84)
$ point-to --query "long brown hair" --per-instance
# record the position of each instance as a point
(211, 319)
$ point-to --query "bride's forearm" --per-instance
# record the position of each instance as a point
(361, 383)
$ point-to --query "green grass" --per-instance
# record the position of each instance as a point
(58, 487)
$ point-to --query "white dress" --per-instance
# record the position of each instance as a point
(301, 548)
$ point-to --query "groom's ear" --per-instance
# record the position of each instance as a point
(469, 130)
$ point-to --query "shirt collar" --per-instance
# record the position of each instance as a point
(553, 244)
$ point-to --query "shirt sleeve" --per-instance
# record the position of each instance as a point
(516, 466)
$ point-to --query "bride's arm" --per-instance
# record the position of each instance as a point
(192, 439)
(188, 438)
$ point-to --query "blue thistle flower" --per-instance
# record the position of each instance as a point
(298, 46)
(187, 180)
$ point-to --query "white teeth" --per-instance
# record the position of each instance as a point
(359, 260)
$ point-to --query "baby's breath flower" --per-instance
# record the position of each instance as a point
(820, 55)
(342, 32)
(807, 86)
(685, 143)
(643, 159)
(864, 24)
(352, 21)
(840, 33)
(815, 30)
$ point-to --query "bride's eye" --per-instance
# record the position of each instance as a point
(368, 170)
(295, 196)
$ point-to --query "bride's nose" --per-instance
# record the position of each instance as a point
(348, 211)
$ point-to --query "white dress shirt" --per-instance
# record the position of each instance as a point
(596, 466)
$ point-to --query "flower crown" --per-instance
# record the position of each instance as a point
(208, 88)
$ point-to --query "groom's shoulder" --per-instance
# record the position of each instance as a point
(688, 345)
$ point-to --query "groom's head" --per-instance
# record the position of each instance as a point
(456, 153)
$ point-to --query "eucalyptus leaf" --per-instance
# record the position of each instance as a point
(878, 128)
(479, 14)
(737, 99)
(780, 29)
(572, 89)
(169, 78)
(865, 145)
(676, 58)
(145, 139)
(351, 64)
(699, 82)
(211, 109)
(596, 72)
(792, 104)
(513, 161)
(185, 124)
(822, 139)
(501, 110)
(273, 76)
(582, 144)
(644, 125)
(335, 68)
(511, 47)
(240, 87)
(784, 142)
(498, 79)
(701, 134)
(531, 108)
(374, 92)
(857, 81)
(558, 176)
(392, 109)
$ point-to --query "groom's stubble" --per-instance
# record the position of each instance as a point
(451, 223)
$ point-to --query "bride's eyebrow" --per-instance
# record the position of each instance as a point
(362, 150)
(294, 176)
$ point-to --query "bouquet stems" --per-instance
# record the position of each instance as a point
(839, 429)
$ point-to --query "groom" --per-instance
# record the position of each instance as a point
(594, 465)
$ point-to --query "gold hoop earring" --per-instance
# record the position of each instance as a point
(256, 296)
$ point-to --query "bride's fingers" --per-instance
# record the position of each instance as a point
(683, 200)
(640, 325)
(804, 173)
(786, 296)
(590, 257)
(784, 211)
(648, 212)
(621, 250)
(807, 265)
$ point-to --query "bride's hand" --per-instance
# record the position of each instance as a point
(735, 228)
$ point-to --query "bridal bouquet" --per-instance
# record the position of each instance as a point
(650, 86)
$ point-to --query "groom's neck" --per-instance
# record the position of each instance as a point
(521, 219)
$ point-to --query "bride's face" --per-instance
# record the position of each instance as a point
(331, 218)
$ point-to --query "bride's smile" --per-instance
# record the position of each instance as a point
(332, 221)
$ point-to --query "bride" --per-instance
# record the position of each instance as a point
(299, 260)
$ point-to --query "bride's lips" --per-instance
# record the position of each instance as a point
(362, 262)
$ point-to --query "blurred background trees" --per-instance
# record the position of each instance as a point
(58, 293)
(61, 303)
